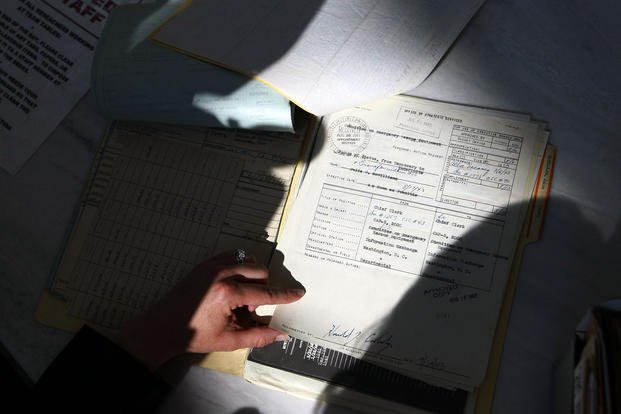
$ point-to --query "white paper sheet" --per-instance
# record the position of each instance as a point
(136, 80)
(324, 55)
(404, 233)
(162, 200)
(46, 52)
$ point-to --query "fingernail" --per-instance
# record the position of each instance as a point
(282, 338)
(299, 292)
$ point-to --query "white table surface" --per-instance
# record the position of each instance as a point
(557, 60)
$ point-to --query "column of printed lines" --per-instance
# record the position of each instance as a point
(128, 268)
(161, 217)
(96, 281)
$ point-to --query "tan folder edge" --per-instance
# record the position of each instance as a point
(54, 312)
(530, 233)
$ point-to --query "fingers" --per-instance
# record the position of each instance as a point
(254, 295)
(247, 270)
(251, 338)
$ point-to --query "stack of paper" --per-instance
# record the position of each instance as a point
(405, 234)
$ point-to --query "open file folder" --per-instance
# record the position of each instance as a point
(310, 370)
(145, 142)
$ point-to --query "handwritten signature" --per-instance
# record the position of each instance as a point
(336, 331)
(382, 341)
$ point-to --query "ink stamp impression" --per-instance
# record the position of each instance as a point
(348, 134)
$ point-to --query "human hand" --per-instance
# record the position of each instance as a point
(200, 313)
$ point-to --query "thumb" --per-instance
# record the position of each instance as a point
(255, 337)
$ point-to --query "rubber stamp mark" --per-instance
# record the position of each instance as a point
(348, 135)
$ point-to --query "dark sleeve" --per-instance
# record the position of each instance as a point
(93, 374)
